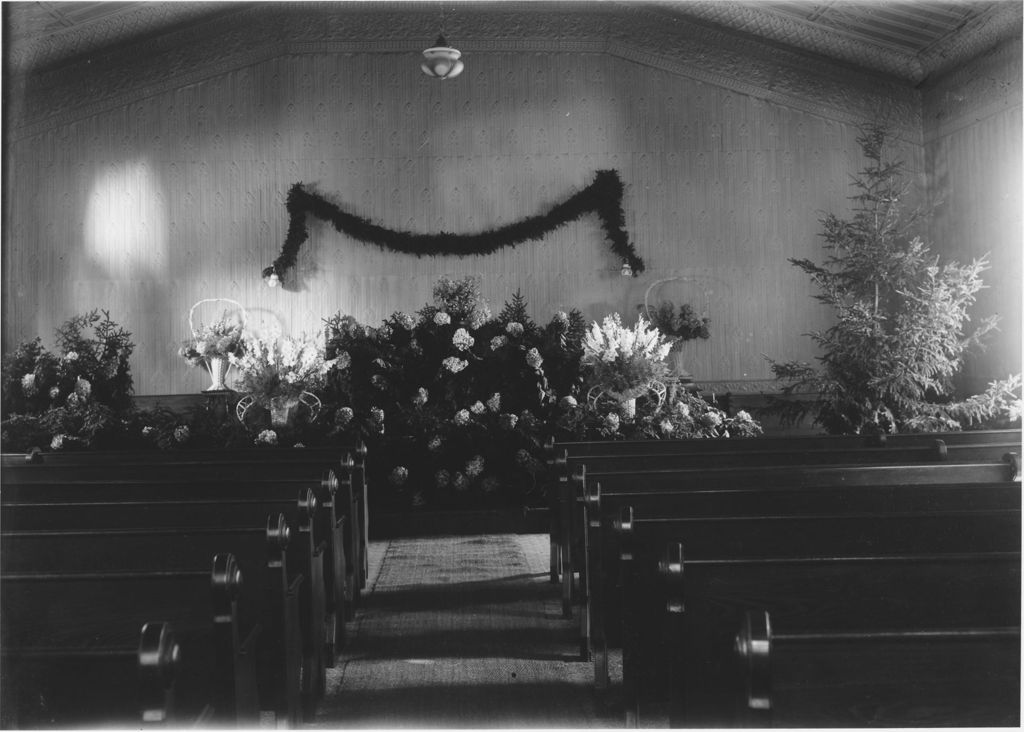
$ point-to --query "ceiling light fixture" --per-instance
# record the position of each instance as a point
(441, 61)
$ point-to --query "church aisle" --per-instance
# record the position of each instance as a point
(462, 631)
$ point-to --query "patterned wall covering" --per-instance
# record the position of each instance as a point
(144, 205)
(973, 147)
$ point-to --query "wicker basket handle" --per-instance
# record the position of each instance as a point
(192, 310)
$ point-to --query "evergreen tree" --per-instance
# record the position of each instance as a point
(899, 335)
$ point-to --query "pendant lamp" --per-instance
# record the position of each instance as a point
(441, 60)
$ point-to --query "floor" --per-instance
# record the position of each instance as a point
(463, 632)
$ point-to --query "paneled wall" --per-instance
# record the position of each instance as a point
(146, 207)
(973, 148)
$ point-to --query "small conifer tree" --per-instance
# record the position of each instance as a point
(901, 317)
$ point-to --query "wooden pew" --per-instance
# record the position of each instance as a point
(64, 631)
(789, 677)
(618, 469)
(563, 457)
(153, 509)
(35, 484)
(335, 490)
(862, 567)
(746, 502)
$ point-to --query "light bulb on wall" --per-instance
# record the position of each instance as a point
(441, 60)
(626, 270)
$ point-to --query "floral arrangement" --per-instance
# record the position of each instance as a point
(452, 400)
(72, 399)
(624, 361)
(223, 339)
(282, 367)
(681, 415)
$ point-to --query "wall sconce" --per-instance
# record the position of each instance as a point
(441, 60)
(626, 270)
(271, 277)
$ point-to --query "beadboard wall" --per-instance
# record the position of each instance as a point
(972, 131)
(174, 194)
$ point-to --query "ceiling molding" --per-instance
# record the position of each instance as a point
(259, 33)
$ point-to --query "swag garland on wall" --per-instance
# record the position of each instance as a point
(603, 197)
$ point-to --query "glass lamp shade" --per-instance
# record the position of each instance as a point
(442, 61)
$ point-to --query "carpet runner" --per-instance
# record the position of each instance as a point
(462, 632)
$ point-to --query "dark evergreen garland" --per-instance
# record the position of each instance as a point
(603, 197)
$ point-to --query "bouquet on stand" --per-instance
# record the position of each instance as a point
(625, 363)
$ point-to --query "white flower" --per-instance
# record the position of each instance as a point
(611, 340)
(442, 478)
(343, 416)
(54, 392)
(478, 317)
(405, 320)
(377, 415)
(57, 443)
(611, 422)
(28, 384)
(398, 475)
(73, 400)
(455, 365)
(475, 466)
(569, 401)
(533, 358)
(181, 433)
(147, 431)
(514, 329)
(711, 419)
(266, 437)
(561, 317)
(83, 388)
(462, 340)
(460, 482)
(494, 403)
(421, 396)
(442, 318)
(477, 407)
(299, 446)
(385, 331)
(683, 408)
(666, 426)
(508, 421)
(435, 444)
(462, 417)
(744, 416)
(71, 356)
(497, 342)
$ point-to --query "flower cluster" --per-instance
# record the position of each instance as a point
(462, 390)
(73, 398)
(283, 366)
(625, 360)
(223, 339)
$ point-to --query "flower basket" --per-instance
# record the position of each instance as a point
(217, 362)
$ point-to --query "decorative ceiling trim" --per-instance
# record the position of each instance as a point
(253, 36)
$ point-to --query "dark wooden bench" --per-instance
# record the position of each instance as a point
(346, 462)
(952, 676)
(895, 559)
(187, 526)
(600, 456)
(38, 484)
(571, 522)
(86, 648)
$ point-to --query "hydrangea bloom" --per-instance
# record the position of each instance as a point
(442, 478)
(442, 318)
(494, 403)
(666, 426)
(28, 384)
(460, 482)
(490, 484)
(533, 358)
(181, 433)
(478, 407)
(343, 416)
(462, 340)
(54, 392)
(683, 408)
(561, 317)
(405, 320)
(399, 475)
(611, 422)
(83, 388)
(454, 364)
(514, 329)
(421, 396)
(711, 419)
(497, 342)
(435, 444)
(475, 466)
(462, 417)
(508, 421)
(569, 402)
(266, 437)
(57, 443)
(377, 415)
(71, 356)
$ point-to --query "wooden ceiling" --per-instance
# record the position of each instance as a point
(908, 39)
